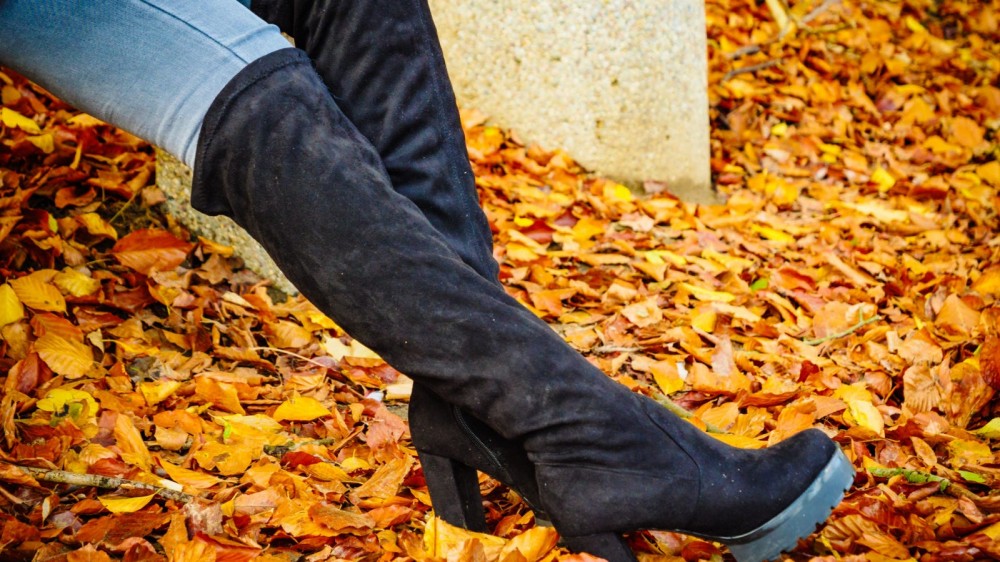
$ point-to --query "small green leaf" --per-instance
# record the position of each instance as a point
(912, 476)
(759, 284)
(972, 477)
(990, 430)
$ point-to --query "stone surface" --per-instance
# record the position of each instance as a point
(174, 178)
(620, 84)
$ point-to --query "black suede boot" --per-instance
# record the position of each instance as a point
(278, 156)
(382, 62)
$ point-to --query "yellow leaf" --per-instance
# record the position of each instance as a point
(116, 504)
(704, 318)
(856, 391)
(76, 284)
(36, 292)
(864, 414)
(227, 459)
(521, 253)
(913, 25)
(45, 142)
(71, 359)
(59, 399)
(11, 309)
(300, 408)
(533, 544)
(587, 228)
(97, 226)
(213, 247)
(664, 256)
(157, 391)
(667, 377)
(339, 350)
(706, 294)
(446, 542)
(989, 282)
(883, 179)
(968, 452)
(740, 441)
(990, 172)
(327, 472)
(617, 192)
(190, 478)
(772, 234)
(11, 118)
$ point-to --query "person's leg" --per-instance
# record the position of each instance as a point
(106, 58)
(608, 460)
(382, 62)
(151, 67)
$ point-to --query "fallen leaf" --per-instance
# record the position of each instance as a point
(149, 249)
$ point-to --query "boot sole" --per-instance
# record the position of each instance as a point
(798, 520)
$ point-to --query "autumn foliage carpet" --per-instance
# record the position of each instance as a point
(160, 403)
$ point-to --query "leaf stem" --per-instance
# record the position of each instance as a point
(861, 323)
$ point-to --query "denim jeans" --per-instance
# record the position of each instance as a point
(151, 67)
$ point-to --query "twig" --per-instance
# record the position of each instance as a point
(125, 206)
(606, 349)
(98, 481)
(818, 11)
(863, 322)
(291, 353)
(751, 68)
(742, 52)
(680, 412)
(281, 450)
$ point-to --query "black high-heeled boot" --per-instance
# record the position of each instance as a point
(382, 62)
(278, 156)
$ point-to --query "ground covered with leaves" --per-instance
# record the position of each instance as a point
(160, 403)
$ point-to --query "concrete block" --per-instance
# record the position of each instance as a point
(622, 85)
(174, 178)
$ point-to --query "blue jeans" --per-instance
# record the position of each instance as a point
(151, 67)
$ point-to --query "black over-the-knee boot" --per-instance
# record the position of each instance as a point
(382, 63)
(278, 155)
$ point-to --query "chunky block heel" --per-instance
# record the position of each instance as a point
(454, 490)
(799, 519)
(610, 546)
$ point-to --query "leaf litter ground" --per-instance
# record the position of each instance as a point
(160, 403)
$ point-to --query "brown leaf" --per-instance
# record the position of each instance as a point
(340, 520)
(149, 249)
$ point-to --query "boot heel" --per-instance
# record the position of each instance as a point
(610, 546)
(454, 489)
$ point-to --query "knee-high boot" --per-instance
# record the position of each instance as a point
(382, 62)
(278, 155)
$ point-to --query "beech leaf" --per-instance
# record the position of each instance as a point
(150, 249)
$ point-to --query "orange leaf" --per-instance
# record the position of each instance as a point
(129, 440)
(221, 394)
(533, 544)
(190, 478)
(149, 249)
(65, 357)
(341, 521)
